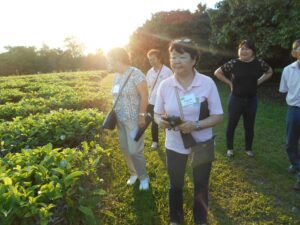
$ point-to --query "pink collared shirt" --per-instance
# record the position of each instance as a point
(202, 87)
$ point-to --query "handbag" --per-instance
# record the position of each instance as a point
(203, 152)
(110, 120)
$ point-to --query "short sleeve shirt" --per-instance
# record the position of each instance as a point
(152, 77)
(128, 105)
(244, 75)
(202, 88)
(290, 84)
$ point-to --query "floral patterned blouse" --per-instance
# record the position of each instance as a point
(128, 105)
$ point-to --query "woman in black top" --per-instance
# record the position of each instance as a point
(243, 75)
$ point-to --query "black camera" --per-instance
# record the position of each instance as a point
(173, 120)
(188, 140)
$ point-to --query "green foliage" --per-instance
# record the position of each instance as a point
(242, 190)
(64, 128)
(272, 24)
(51, 186)
(27, 60)
(23, 96)
(166, 26)
(11, 95)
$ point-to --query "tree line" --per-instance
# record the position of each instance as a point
(272, 24)
(29, 60)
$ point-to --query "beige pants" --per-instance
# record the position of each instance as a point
(133, 151)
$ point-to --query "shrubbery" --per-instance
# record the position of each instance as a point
(52, 186)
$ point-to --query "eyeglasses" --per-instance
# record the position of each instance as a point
(186, 41)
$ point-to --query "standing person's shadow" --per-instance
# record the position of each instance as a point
(144, 207)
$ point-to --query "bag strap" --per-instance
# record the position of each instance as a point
(122, 89)
(179, 104)
(204, 111)
(156, 79)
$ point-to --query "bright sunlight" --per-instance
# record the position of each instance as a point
(96, 24)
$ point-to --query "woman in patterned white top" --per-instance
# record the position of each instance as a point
(131, 111)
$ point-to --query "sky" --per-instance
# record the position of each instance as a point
(97, 24)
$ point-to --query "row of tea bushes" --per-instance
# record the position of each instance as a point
(63, 128)
(27, 95)
(52, 186)
(30, 106)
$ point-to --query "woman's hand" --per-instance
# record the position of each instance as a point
(142, 122)
(187, 127)
(163, 124)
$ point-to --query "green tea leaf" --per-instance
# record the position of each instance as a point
(73, 175)
(7, 181)
(87, 211)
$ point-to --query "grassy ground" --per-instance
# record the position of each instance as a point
(243, 190)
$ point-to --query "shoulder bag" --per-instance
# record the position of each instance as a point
(110, 120)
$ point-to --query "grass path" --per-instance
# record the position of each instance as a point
(242, 191)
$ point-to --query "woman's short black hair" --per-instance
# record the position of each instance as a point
(296, 44)
(155, 52)
(185, 45)
(248, 44)
(119, 55)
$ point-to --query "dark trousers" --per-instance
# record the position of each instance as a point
(154, 126)
(238, 106)
(176, 164)
(293, 135)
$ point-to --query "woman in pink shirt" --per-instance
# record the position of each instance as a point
(180, 96)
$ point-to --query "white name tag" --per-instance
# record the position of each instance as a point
(188, 100)
(116, 89)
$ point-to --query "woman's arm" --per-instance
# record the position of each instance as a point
(221, 76)
(265, 76)
(143, 92)
(210, 121)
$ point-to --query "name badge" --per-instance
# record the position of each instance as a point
(116, 89)
(187, 100)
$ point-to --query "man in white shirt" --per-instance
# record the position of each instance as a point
(155, 75)
(290, 84)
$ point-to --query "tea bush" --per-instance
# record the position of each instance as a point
(52, 186)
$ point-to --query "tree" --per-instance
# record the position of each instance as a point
(165, 26)
(73, 53)
(272, 24)
(18, 60)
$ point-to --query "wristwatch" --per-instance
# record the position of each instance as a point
(198, 125)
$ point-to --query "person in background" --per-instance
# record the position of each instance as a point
(243, 75)
(192, 88)
(131, 111)
(155, 75)
(290, 84)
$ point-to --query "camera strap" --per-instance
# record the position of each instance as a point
(179, 104)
